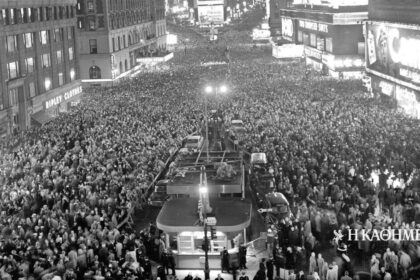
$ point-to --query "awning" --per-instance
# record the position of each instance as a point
(178, 215)
(42, 117)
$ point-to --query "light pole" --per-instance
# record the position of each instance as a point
(208, 90)
(204, 209)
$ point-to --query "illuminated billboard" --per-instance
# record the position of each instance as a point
(393, 50)
(287, 28)
(211, 14)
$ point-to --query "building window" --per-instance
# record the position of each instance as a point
(59, 55)
(99, 7)
(11, 43)
(28, 39)
(305, 38)
(47, 83)
(32, 91)
(12, 70)
(328, 44)
(72, 74)
(58, 35)
(92, 24)
(90, 7)
(70, 33)
(124, 41)
(4, 16)
(312, 40)
(299, 37)
(101, 22)
(12, 16)
(94, 72)
(43, 37)
(80, 23)
(13, 97)
(29, 62)
(60, 79)
(71, 54)
(320, 43)
(119, 43)
(93, 46)
(113, 44)
(45, 60)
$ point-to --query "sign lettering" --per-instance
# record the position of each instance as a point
(311, 52)
(321, 27)
(63, 97)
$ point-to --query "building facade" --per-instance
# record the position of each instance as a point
(114, 33)
(39, 74)
(392, 52)
(331, 32)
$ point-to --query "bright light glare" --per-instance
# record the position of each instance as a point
(223, 89)
(203, 189)
(209, 89)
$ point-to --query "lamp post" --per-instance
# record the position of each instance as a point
(208, 90)
(205, 207)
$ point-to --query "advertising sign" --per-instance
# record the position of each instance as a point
(315, 26)
(394, 51)
(287, 28)
(211, 14)
(314, 53)
(383, 87)
(62, 97)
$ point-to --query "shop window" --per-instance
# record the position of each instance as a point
(93, 45)
(29, 63)
(11, 43)
(45, 60)
(320, 43)
(71, 53)
(28, 40)
(43, 37)
(60, 79)
(12, 70)
(312, 40)
(95, 72)
(32, 91)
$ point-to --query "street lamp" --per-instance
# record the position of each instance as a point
(208, 90)
(205, 206)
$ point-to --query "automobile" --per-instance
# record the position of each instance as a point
(159, 195)
(194, 143)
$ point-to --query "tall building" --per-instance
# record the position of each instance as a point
(38, 62)
(393, 52)
(331, 32)
(114, 33)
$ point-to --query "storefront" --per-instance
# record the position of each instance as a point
(335, 50)
(179, 220)
(393, 63)
(49, 105)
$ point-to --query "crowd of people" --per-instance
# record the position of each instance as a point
(69, 187)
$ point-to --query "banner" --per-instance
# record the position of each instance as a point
(211, 14)
(394, 51)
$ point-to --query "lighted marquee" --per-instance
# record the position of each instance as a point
(332, 3)
(211, 14)
(394, 50)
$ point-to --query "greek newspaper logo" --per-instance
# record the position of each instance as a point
(380, 235)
